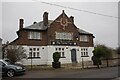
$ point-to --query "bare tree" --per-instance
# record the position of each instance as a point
(15, 53)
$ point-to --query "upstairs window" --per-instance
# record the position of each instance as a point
(34, 35)
(84, 38)
(64, 35)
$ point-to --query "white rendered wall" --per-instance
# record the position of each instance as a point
(38, 61)
(46, 54)
(90, 54)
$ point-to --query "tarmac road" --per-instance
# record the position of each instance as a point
(111, 72)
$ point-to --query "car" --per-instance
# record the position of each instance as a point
(16, 63)
(10, 69)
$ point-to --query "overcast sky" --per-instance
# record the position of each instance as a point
(105, 29)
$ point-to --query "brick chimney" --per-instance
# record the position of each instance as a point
(21, 22)
(72, 19)
(45, 18)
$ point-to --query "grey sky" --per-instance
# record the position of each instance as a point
(105, 29)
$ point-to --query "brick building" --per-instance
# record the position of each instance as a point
(42, 39)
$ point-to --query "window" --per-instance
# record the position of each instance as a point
(37, 49)
(62, 54)
(30, 54)
(34, 49)
(1, 64)
(34, 53)
(61, 51)
(64, 35)
(84, 52)
(37, 54)
(84, 38)
(34, 35)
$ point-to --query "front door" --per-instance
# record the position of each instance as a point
(73, 56)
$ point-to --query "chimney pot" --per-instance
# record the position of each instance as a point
(34, 22)
(21, 22)
(63, 11)
(72, 19)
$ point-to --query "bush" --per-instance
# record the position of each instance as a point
(56, 56)
(96, 61)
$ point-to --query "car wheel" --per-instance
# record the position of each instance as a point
(10, 73)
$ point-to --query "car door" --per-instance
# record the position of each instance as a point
(2, 67)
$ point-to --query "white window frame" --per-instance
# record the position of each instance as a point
(84, 38)
(34, 35)
(61, 51)
(84, 52)
(33, 51)
(64, 35)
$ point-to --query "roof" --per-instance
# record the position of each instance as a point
(0, 38)
(39, 25)
(81, 31)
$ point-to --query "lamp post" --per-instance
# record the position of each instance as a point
(31, 58)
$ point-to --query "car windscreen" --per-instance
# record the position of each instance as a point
(8, 63)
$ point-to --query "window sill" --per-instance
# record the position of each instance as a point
(62, 57)
(84, 41)
(33, 57)
(84, 56)
(34, 39)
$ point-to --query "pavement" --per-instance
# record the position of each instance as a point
(63, 67)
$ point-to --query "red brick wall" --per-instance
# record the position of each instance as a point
(49, 34)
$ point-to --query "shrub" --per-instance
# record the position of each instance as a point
(56, 56)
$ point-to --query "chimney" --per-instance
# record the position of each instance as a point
(21, 22)
(45, 18)
(34, 22)
(63, 11)
(72, 19)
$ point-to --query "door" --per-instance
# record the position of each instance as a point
(73, 56)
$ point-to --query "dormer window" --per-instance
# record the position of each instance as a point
(84, 38)
(34, 35)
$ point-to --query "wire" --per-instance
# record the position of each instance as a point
(80, 10)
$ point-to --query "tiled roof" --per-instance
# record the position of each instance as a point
(1, 39)
(83, 31)
(39, 25)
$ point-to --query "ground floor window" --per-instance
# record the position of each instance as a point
(61, 51)
(84, 52)
(34, 53)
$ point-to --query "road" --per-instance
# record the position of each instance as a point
(111, 72)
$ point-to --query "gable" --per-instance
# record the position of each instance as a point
(64, 21)
(62, 16)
